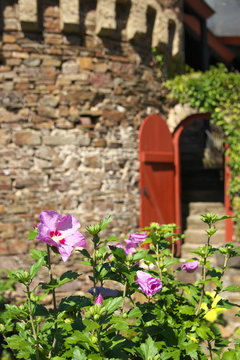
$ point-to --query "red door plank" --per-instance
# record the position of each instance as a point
(156, 172)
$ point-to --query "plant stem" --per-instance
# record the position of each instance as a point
(159, 262)
(204, 272)
(51, 278)
(53, 300)
(32, 321)
(210, 349)
(124, 295)
(94, 264)
(99, 342)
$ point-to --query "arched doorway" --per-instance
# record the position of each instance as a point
(160, 172)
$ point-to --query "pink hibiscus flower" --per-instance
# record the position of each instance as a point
(190, 266)
(61, 232)
(147, 283)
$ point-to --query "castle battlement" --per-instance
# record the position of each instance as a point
(140, 23)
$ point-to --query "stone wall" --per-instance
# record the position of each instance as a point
(76, 80)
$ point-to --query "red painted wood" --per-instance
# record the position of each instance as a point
(160, 174)
(156, 172)
(156, 156)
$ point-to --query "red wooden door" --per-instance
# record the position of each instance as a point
(157, 190)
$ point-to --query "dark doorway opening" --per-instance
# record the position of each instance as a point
(202, 165)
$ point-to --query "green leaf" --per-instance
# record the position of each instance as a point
(104, 223)
(191, 350)
(68, 276)
(34, 269)
(232, 288)
(38, 254)
(118, 253)
(112, 304)
(231, 355)
(135, 312)
(119, 323)
(32, 234)
(40, 310)
(170, 262)
(186, 309)
(85, 253)
(173, 355)
(78, 354)
(148, 350)
(20, 276)
(204, 332)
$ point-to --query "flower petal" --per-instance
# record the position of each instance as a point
(76, 239)
(65, 251)
(147, 283)
(43, 235)
(67, 225)
(49, 218)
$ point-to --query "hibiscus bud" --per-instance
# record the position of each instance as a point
(99, 300)
(137, 237)
(190, 266)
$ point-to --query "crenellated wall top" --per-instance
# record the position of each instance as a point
(137, 22)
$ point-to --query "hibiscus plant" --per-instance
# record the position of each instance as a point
(146, 312)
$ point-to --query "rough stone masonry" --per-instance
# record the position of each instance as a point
(76, 81)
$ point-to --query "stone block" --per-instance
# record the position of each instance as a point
(137, 22)
(20, 55)
(49, 100)
(11, 24)
(7, 230)
(101, 67)
(53, 39)
(70, 67)
(106, 16)
(51, 61)
(8, 38)
(48, 112)
(15, 246)
(28, 14)
(99, 143)
(33, 62)
(5, 137)
(52, 25)
(85, 63)
(58, 140)
(5, 183)
(13, 62)
(27, 137)
(2, 209)
(70, 15)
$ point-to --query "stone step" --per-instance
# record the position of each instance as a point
(194, 222)
(198, 208)
(194, 236)
(193, 195)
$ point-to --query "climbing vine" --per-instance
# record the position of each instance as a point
(216, 91)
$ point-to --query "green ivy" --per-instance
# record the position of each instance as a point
(216, 91)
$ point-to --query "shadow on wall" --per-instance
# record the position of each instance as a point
(112, 38)
(142, 40)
